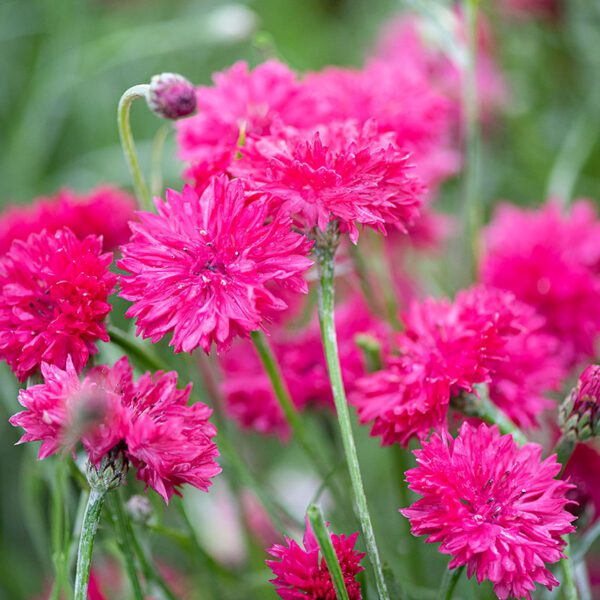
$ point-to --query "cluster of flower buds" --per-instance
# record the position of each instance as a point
(579, 414)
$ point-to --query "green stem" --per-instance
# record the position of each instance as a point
(567, 566)
(325, 257)
(483, 408)
(328, 551)
(128, 144)
(125, 545)
(91, 519)
(271, 366)
(158, 146)
(472, 137)
(59, 529)
(449, 583)
(151, 574)
(133, 346)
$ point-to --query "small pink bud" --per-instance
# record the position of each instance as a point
(580, 413)
(171, 96)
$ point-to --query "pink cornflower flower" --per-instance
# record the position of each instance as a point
(104, 211)
(199, 268)
(343, 171)
(553, 265)
(493, 506)
(168, 442)
(301, 572)
(248, 391)
(485, 336)
(54, 291)
(239, 105)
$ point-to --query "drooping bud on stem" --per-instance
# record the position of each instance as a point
(171, 96)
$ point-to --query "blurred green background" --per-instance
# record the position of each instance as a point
(65, 63)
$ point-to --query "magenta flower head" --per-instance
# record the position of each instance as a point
(148, 423)
(343, 171)
(579, 415)
(171, 96)
(301, 572)
(54, 291)
(484, 336)
(104, 211)
(493, 506)
(207, 268)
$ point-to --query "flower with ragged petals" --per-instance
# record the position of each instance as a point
(54, 291)
(302, 574)
(342, 171)
(199, 268)
(104, 211)
(241, 104)
(493, 506)
(484, 336)
(148, 422)
(553, 265)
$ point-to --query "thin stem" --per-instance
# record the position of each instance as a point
(128, 144)
(325, 257)
(328, 551)
(151, 574)
(483, 408)
(120, 519)
(59, 526)
(271, 366)
(91, 519)
(567, 566)
(158, 146)
(472, 137)
(449, 583)
(133, 346)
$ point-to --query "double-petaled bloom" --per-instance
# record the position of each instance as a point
(167, 441)
(493, 506)
(208, 268)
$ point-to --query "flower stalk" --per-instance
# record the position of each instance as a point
(128, 143)
(319, 528)
(449, 583)
(325, 253)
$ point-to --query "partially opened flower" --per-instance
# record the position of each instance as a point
(553, 265)
(485, 336)
(302, 574)
(149, 421)
(54, 291)
(344, 171)
(199, 268)
(493, 506)
(104, 211)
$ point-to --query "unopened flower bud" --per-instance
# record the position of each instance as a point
(139, 508)
(111, 473)
(171, 96)
(579, 414)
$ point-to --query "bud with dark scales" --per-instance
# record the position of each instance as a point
(171, 96)
(579, 414)
(111, 473)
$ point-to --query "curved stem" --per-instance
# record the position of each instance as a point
(271, 366)
(472, 137)
(328, 551)
(563, 449)
(567, 566)
(325, 258)
(135, 347)
(91, 519)
(128, 144)
(449, 583)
